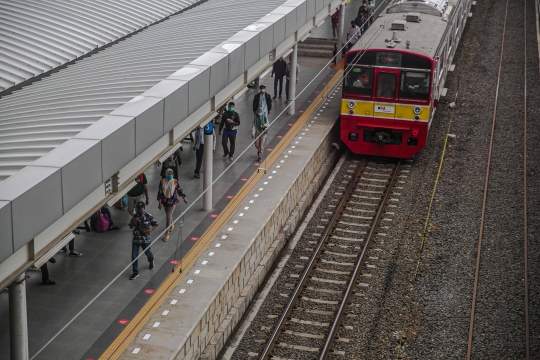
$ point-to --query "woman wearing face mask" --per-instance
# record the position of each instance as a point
(169, 189)
(258, 131)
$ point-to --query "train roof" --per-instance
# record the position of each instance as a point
(424, 36)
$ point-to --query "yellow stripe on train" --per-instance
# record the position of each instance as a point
(384, 110)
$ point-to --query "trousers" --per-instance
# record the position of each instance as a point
(225, 139)
(259, 143)
(135, 253)
(278, 80)
(168, 214)
(199, 153)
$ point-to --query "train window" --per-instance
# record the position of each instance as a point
(359, 80)
(386, 85)
(414, 85)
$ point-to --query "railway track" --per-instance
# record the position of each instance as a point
(310, 321)
(474, 327)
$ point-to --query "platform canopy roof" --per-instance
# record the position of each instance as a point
(37, 36)
(38, 118)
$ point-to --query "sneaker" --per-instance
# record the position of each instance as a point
(196, 176)
(230, 158)
(279, 97)
(75, 253)
(52, 260)
(225, 155)
(133, 276)
(48, 282)
(152, 265)
(259, 159)
(274, 98)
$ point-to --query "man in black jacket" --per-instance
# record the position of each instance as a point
(230, 120)
(263, 101)
(279, 68)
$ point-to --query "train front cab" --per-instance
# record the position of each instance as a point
(386, 106)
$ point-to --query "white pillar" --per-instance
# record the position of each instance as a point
(18, 325)
(292, 77)
(207, 171)
(341, 27)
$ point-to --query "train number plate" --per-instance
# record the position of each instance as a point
(384, 109)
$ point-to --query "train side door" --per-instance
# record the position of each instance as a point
(386, 95)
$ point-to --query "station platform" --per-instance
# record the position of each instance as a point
(105, 255)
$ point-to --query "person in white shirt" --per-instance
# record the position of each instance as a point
(353, 35)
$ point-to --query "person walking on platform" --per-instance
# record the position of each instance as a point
(279, 68)
(288, 79)
(231, 121)
(168, 192)
(353, 35)
(198, 147)
(172, 162)
(258, 131)
(136, 193)
(142, 224)
(45, 273)
(360, 22)
(364, 9)
(263, 101)
(335, 23)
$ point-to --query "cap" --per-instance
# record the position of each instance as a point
(141, 205)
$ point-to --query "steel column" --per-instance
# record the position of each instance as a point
(18, 325)
(341, 28)
(207, 171)
(292, 77)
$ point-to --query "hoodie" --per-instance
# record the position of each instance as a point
(258, 122)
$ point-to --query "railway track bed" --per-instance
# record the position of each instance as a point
(318, 303)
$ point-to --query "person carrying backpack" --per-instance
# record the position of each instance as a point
(230, 120)
(172, 162)
(169, 190)
(136, 193)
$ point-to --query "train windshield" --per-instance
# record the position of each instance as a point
(414, 85)
(386, 85)
(359, 80)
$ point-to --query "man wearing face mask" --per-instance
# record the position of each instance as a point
(263, 101)
(231, 121)
(142, 224)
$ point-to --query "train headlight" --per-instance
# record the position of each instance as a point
(417, 110)
(351, 112)
(352, 104)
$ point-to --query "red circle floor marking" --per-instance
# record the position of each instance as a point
(123, 321)
(229, 196)
(280, 136)
(317, 92)
(309, 101)
(214, 216)
(256, 164)
(301, 111)
(174, 262)
(194, 238)
(244, 179)
(149, 291)
(290, 124)
(269, 149)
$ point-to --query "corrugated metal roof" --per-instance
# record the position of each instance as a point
(40, 117)
(37, 36)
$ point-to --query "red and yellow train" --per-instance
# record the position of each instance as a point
(395, 74)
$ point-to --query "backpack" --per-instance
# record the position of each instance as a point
(169, 164)
(102, 223)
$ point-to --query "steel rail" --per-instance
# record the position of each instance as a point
(327, 349)
(312, 262)
(525, 231)
(484, 200)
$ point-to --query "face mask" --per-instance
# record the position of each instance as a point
(259, 113)
(140, 212)
(231, 109)
(262, 91)
(169, 177)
